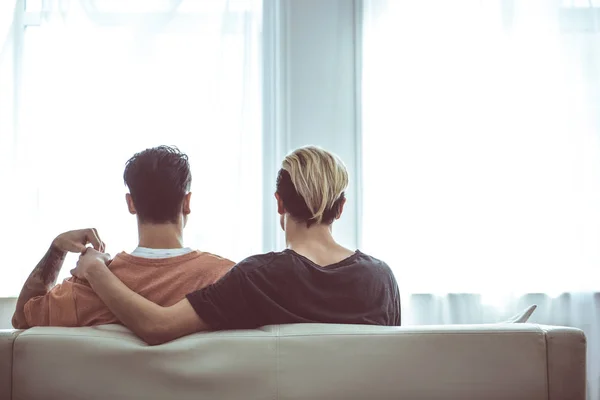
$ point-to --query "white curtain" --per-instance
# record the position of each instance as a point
(7, 9)
(481, 154)
(103, 79)
(7, 38)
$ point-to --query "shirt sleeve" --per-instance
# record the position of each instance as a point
(55, 308)
(223, 305)
(397, 306)
(398, 312)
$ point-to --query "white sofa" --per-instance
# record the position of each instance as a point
(303, 361)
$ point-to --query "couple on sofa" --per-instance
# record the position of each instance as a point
(163, 290)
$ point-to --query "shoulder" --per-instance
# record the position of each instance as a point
(123, 258)
(262, 261)
(368, 259)
(374, 263)
(207, 257)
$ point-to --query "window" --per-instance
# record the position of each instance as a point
(481, 139)
(101, 80)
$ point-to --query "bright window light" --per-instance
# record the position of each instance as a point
(91, 96)
(481, 149)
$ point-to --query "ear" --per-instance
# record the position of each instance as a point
(341, 210)
(280, 207)
(130, 204)
(186, 204)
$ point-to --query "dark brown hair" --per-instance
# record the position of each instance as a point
(158, 179)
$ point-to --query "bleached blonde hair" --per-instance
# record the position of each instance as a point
(319, 177)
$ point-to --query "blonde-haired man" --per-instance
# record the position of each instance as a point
(313, 280)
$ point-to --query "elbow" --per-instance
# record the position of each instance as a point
(156, 336)
(19, 321)
(155, 331)
(155, 339)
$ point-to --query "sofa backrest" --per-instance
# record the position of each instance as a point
(303, 361)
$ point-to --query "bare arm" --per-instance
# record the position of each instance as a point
(152, 323)
(44, 275)
(40, 281)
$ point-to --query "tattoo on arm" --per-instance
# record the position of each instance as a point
(40, 281)
(49, 266)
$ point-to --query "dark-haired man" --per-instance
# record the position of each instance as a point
(160, 268)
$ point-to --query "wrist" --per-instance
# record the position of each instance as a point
(54, 248)
(55, 252)
(96, 271)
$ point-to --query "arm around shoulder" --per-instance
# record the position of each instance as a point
(174, 322)
(152, 323)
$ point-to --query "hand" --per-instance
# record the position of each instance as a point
(88, 260)
(76, 241)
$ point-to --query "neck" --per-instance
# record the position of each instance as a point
(160, 236)
(299, 237)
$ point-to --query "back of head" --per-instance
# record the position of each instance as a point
(158, 180)
(311, 185)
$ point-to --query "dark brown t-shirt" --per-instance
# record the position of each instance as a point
(286, 287)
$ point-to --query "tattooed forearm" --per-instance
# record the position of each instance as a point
(40, 281)
(49, 266)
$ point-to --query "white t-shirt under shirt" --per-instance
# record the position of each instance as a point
(145, 252)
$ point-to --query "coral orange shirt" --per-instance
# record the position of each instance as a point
(164, 281)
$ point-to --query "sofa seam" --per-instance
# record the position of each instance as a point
(546, 344)
(315, 334)
(12, 366)
(122, 338)
(84, 336)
